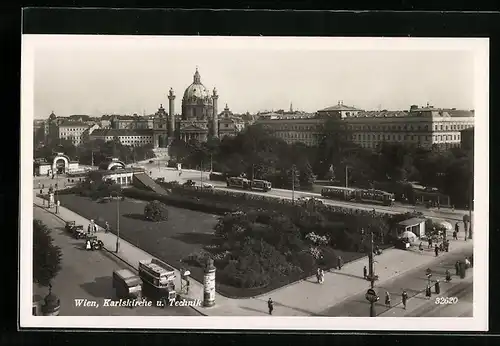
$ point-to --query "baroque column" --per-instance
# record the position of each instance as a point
(171, 112)
(215, 120)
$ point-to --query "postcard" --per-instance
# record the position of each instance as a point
(254, 183)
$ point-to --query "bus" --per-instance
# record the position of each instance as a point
(262, 185)
(238, 182)
(338, 192)
(374, 196)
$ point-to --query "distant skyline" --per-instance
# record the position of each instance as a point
(98, 75)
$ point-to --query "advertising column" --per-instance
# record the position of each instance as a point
(209, 284)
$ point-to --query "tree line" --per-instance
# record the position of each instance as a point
(96, 151)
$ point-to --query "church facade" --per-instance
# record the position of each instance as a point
(198, 118)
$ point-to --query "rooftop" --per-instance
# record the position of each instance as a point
(121, 132)
(412, 222)
(339, 107)
(69, 123)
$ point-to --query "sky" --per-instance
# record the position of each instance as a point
(98, 75)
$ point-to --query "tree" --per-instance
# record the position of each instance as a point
(46, 256)
(307, 177)
(156, 211)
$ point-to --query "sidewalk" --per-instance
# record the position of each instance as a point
(302, 298)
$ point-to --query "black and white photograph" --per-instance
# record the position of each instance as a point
(195, 182)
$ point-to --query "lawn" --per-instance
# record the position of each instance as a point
(185, 232)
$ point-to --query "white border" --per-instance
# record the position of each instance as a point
(480, 49)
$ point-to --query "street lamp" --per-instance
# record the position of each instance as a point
(117, 222)
(471, 197)
(293, 183)
(346, 176)
(371, 295)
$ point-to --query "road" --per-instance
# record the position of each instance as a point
(171, 174)
(463, 308)
(87, 275)
(414, 282)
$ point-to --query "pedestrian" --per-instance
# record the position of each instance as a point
(339, 262)
(437, 287)
(317, 275)
(187, 285)
(436, 250)
(106, 227)
(455, 235)
(453, 207)
(321, 276)
(365, 272)
(457, 268)
(467, 263)
(43, 186)
(421, 247)
(39, 185)
(41, 192)
(447, 246)
(387, 299)
(430, 242)
(404, 299)
(428, 292)
(448, 276)
(270, 306)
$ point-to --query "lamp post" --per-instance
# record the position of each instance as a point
(117, 223)
(201, 173)
(371, 296)
(293, 183)
(346, 176)
(471, 197)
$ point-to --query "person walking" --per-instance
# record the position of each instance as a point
(339, 262)
(428, 292)
(430, 243)
(404, 298)
(270, 306)
(421, 247)
(365, 272)
(457, 229)
(317, 275)
(455, 235)
(437, 287)
(436, 250)
(457, 268)
(321, 276)
(387, 299)
(106, 227)
(448, 276)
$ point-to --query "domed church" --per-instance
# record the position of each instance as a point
(198, 120)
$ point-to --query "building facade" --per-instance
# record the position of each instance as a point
(126, 137)
(72, 130)
(425, 127)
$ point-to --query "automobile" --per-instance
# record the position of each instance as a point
(207, 186)
(307, 199)
(151, 161)
(189, 183)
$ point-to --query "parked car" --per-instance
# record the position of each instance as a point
(189, 183)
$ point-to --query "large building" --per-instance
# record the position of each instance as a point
(135, 138)
(72, 130)
(425, 127)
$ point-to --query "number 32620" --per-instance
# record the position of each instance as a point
(446, 300)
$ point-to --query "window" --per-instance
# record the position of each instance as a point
(441, 127)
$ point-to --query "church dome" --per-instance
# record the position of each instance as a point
(196, 91)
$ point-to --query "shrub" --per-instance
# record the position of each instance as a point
(156, 211)
(197, 259)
